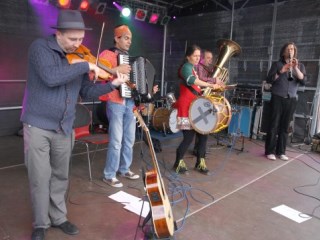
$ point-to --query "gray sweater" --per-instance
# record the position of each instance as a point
(53, 87)
(282, 86)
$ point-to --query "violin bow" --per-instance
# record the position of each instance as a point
(99, 46)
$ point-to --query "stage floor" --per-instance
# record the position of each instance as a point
(234, 202)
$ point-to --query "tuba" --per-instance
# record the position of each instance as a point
(228, 48)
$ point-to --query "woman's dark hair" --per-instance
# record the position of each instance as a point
(283, 49)
(191, 49)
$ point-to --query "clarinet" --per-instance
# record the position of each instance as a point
(290, 78)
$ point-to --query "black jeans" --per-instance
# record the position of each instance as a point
(188, 136)
(282, 110)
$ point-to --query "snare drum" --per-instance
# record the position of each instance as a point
(210, 114)
(165, 120)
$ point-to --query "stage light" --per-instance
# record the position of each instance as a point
(101, 8)
(165, 20)
(64, 3)
(141, 14)
(154, 18)
(125, 12)
(84, 5)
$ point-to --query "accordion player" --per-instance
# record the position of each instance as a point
(137, 77)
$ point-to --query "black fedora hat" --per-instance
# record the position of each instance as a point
(70, 19)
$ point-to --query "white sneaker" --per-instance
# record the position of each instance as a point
(271, 157)
(113, 182)
(284, 157)
(130, 175)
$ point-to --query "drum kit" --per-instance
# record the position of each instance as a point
(161, 115)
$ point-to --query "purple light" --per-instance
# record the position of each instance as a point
(47, 15)
(117, 6)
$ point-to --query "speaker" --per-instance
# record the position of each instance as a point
(266, 116)
(241, 120)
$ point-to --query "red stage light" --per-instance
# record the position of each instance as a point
(154, 18)
(141, 14)
(84, 5)
(64, 3)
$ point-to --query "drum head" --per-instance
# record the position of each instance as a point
(203, 115)
(173, 121)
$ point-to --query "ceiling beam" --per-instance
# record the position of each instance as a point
(221, 5)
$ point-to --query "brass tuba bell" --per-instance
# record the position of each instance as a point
(227, 48)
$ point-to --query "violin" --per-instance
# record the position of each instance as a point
(83, 53)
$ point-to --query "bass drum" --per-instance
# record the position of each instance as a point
(165, 120)
(160, 119)
(210, 114)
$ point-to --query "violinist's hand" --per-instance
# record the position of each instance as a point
(121, 78)
(123, 68)
(95, 69)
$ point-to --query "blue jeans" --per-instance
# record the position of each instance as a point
(122, 127)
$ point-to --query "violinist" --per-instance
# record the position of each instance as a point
(51, 94)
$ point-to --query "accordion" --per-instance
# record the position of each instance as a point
(137, 76)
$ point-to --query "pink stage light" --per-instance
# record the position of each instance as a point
(154, 18)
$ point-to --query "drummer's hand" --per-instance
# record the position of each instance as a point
(215, 86)
(218, 81)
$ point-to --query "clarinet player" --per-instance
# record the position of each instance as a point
(285, 75)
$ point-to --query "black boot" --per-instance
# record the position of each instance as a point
(180, 166)
(201, 166)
